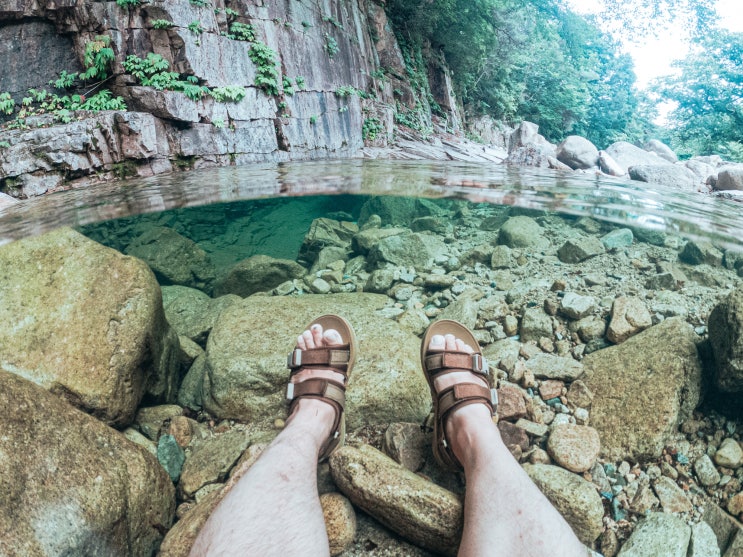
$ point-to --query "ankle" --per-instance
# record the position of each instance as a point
(314, 418)
(469, 430)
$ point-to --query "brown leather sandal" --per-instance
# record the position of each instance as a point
(438, 363)
(336, 358)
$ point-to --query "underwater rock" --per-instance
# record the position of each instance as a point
(658, 534)
(245, 369)
(174, 258)
(699, 252)
(703, 541)
(70, 304)
(259, 273)
(619, 238)
(325, 233)
(574, 498)
(576, 306)
(415, 508)
(535, 324)
(661, 375)
(408, 250)
(726, 336)
(579, 249)
(191, 312)
(103, 494)
(629, 316)
(521, 232)
(672, 497)
(398, 211)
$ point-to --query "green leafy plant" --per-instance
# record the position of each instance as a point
(195, 27)
(306, 24)
(64, 81)
(229, 93)
(241, 32)
(313, 119)
(331, 46)
(162, 24)
(345, 91)
(199, 3)
(98, 58)
(127, 3)
(4, 145)
(7, 104)
(267, 74)
(231, 13)
(333, 21)
(371, 128)
(287, 85)
(154, 71)
(219, 124)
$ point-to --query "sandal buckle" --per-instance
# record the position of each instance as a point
(480, 364)
(290, 391)
(494, 398)
(294, 359)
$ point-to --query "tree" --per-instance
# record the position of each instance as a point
(708, 97)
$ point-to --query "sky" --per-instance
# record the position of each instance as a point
(654, 55)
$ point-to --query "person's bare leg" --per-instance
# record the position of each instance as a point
(504, 512)
(274, 508)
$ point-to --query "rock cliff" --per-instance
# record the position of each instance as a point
(205, 83)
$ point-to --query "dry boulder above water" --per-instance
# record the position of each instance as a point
(86, 323)
(636, 411)
(577, 152)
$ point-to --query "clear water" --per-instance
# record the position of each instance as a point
(633, 204)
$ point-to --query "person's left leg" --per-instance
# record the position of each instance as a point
(274, 508)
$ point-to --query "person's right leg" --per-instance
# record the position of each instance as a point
(504, 512)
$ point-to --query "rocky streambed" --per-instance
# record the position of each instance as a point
(616, 351)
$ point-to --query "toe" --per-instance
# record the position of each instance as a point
(451, 342)
(331, 337)
(437, 343)
(301, 344)
(316, 331)
(309, 340)
(464, 347)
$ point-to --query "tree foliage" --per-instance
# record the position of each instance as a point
(529, 60)
(708, 97)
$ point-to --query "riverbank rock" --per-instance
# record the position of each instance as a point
(340, 521)
(661, 149)
(667, 175)
(86, 323)
(577, 152)
(726, 336)
(71, 485)
(246, 371)
(658, 534)
(575, 499)
(626, 155)
(660, 370)
(574, 447)
(730, 178)
(418, 510)
(191, 312)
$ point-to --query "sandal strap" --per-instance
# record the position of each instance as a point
(443, 362)
(336, 358)
(463, 394)
(318, 388)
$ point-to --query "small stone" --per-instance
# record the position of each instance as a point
(579, 394)
(619, 238)
(668, 471)
(581, 416)
(547, 366)
(520, 232)
(340, 521)
(580, 249)
(628, 317)
(644, 500)
(513, 436)
(672, 497)
(574, 447)
(501, 258)
(539, 456)
(658, 534)
(532, 428)
(609, 543)
(735, 504)
(550, 389)
(576, 306)
(535, 324)
(706, 471)
(730, 454)
(511, 404)
(171, 456)
(136, 437)
(406, 443)
(180, 428)
(510, 325)
(151, 419)
(703, 541)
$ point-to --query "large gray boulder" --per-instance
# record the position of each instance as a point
(661, 149)
(174, 258)
(86, 323)
(643, 388)
(408, 250)
(521, 232)
(730, 178)
(577, 152)
(726, 336)
(72, 485)
(625, 155)
(398, 211)
(658, 534)
(191, 312)
(246, 357)
(675, 176)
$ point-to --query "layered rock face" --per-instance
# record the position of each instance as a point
(325, 54)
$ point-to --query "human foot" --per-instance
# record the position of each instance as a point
(458, 377)
(320, 365)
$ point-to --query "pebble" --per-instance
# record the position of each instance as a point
(735, 504)
(550, 389)
(658, 534)
(511, 403)
(171, 456)
(548, 366)
(576, 306)
(628, 317)
(532, 428)
(672, 497)
(730, 454)
(706, 471)
(574, 447)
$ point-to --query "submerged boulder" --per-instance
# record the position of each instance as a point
(246, 371)
(86, 323)
(726, 336)
(643, 388)
(258, 274)
(174, 258)
(73, 486)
